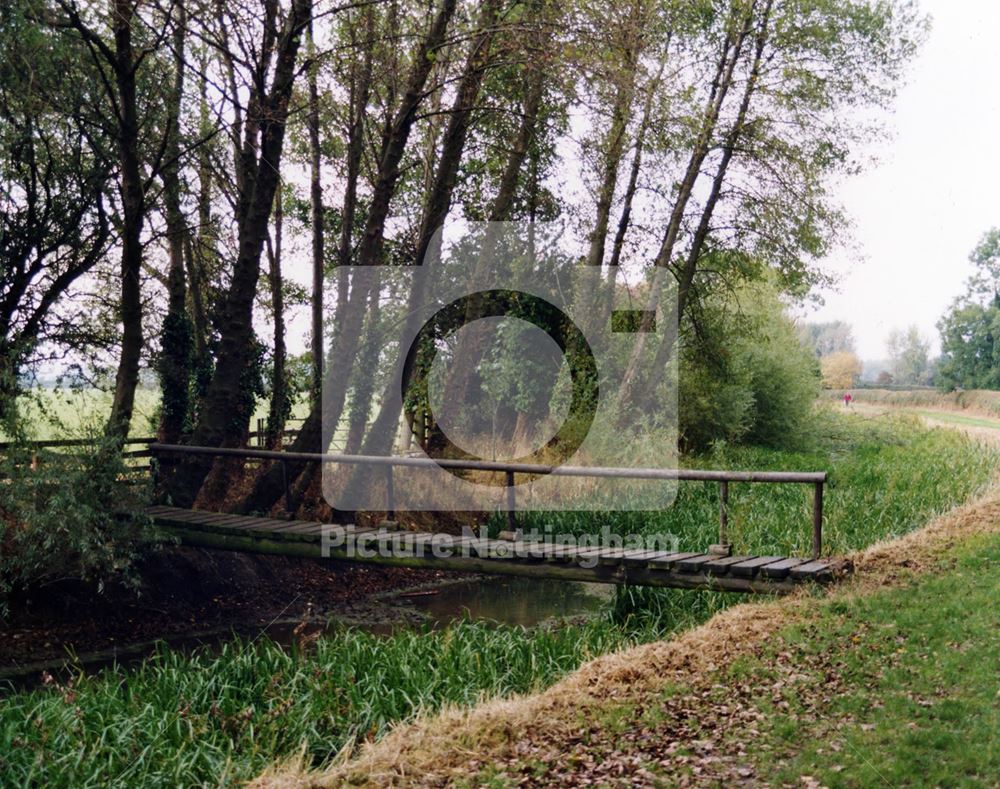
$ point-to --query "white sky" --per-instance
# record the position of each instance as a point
(936, 189)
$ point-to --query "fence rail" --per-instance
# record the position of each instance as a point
(815, 478)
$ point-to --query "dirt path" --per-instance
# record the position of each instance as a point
(660, 713)
(981, 428)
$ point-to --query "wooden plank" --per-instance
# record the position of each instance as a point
(611, 556)
(694, 563)
(183, 516)
(287, 525)
(750, 567)
(781, 569)
(563, 552)
(721, 565)
(668, 560)
(643, 558)
(821, 570)
(255, 524)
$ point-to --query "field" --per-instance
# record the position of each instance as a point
(979, 402)
(223, 718)
(72, 413)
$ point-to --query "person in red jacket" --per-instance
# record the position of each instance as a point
(847, 399)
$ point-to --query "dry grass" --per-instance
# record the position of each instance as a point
(437, 749)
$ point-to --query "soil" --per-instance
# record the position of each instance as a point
(185, 591)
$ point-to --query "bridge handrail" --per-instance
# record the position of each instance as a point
(704, 475)
(723, 477)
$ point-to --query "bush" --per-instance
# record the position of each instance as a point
(70, 516)
(746, 377)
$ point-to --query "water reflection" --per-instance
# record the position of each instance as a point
(511, 601)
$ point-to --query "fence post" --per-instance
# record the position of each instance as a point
(390, 495)
(288, 488)
(723, 548)
(511, 501)
(817, 540)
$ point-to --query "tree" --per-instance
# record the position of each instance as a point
(908, 355)
(769, 130)
(225, 413)
(55, 223)
(827, 338)
(970, 329)
(840, 370)
(119, 56)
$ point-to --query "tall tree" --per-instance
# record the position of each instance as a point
(351, 317)
(316, 205)
(177, 340)
(223, 419)
(54, 173)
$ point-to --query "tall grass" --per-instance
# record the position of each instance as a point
(218, 719)
(182, 721)
(886, 476)
(980, 401)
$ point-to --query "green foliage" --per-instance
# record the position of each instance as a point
(746, 376)
(173, 366)
(970, 346)
(970, 329)
(887, 475)
(908, 351)
(827, 338)
(220, 719)
(70, 516)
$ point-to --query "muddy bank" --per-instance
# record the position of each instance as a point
(188, 591)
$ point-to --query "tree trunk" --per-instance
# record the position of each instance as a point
(379, 439)
(176, 341)
(738, 29)
(625, 218)
(316, 204)
(317, 429)
(462, 380)
(687, 273)
(279, 405)
(133, 211)
(223, 420)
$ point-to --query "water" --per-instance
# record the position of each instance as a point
(510, 601)
(524, 602)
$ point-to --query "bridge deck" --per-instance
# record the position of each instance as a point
(690, 570)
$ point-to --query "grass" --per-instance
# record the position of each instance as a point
(886, 475)
(55, 413)
(957, 419)
(208, 719)
(221, 718)
(983, 402)
(918, 700)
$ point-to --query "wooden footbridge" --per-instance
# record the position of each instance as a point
(387, 544)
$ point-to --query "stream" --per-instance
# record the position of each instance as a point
(504, 600)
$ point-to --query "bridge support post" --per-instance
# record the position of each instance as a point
(390, 521)
(817, 541)
(723, 547)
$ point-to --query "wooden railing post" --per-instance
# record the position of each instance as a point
(722, 547)
(390, 495)
(511, 515)
(288, 487)
(817, 536)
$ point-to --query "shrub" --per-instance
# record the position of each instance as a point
(745, 376)
(70, 516)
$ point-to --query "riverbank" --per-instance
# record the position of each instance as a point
(189, 595)
(890, 678)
